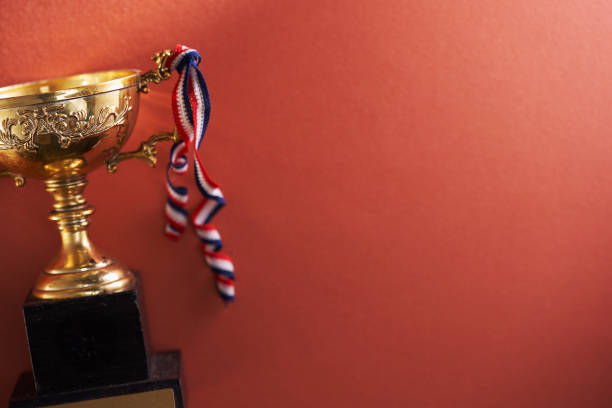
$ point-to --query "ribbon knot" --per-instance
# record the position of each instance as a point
(191, 110)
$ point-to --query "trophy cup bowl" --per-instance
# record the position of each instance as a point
(59, 130)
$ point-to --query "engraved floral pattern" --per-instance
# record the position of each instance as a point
(66, 127)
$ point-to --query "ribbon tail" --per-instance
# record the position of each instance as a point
(176, 214)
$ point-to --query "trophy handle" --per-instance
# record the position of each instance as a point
(17, 178)
(146, 151)
(155, 75)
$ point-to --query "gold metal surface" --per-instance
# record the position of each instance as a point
(146, 151)
(79, 269)
(36, 140)
(58, 130)
(54, 120)
(163, 398)
(70, 87)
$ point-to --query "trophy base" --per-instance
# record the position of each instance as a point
(86, 342)
(161, 390)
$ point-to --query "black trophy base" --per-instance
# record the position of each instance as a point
(161, 390)
(86, 342)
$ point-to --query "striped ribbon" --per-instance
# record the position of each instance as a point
(191, 109)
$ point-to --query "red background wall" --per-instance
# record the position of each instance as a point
(420, 197)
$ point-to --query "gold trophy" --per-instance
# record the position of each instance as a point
(58, 130)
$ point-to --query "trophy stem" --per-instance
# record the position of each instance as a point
(80, 269)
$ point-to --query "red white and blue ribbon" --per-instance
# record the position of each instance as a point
(191, 109)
